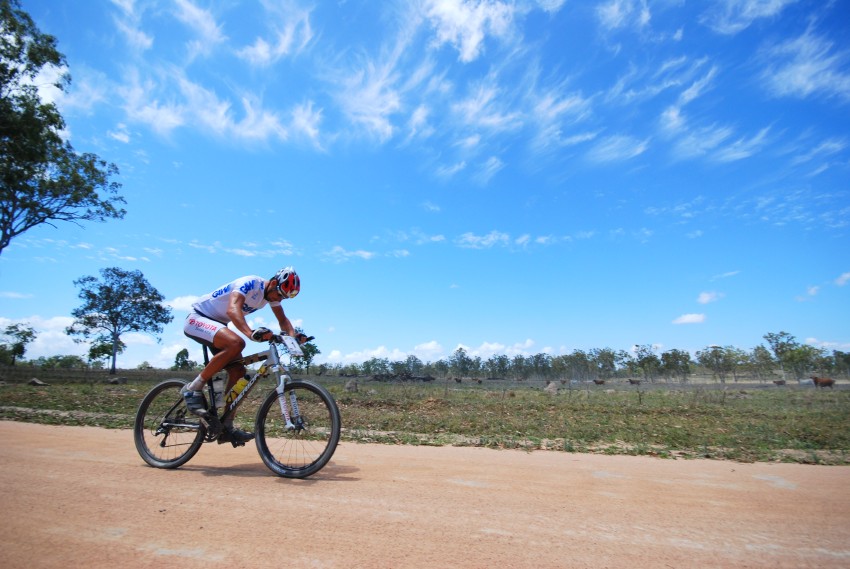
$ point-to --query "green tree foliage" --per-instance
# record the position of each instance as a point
(42, 177)
(460, 363)
(14, 346)
(60, 362)
(182, 361)
(761, 362)
(122, 302)
(719, 360)
(101, 349)
(782, 344)
(676, 364)
(303, 363)
(647, 361)
(841, 361)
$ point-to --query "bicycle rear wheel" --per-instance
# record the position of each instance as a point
(304, 450)
(167, 435)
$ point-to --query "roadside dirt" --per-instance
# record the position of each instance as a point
(81, 497)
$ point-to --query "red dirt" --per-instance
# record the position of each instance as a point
(82, 497)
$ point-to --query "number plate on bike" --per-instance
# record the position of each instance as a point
(292, 346)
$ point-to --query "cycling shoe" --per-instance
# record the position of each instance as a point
(234, 436)
(195, 402)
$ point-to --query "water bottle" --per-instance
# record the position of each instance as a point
(218, 388)
(237, 389)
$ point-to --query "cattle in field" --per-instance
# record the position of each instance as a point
(779, 381)
(599, 381)
(634, 381)
(823, 382)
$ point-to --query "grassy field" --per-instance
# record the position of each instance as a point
(744, 422)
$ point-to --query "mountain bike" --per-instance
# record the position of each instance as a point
(297, 425)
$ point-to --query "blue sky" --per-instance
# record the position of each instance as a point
(510, 177)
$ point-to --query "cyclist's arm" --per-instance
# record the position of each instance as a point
(285, 325)
(234, 312)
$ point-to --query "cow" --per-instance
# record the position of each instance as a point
(599, 381)
(634, 381)
(779, 381)
(823, 382)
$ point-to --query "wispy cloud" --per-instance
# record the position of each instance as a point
(489, 169)
(466, 25)
(807, 66)
(811, 292)
(472, 241)
(843, 279)
(290, 33)
(485, 107)
(823, 150)
(742, 147)
(616, 14)
(202, 22)
(340, 255)
(15, 295)
(690, 319)
(725, 275)
(128, 23)
(708, 297)
(733, 16)
(370, 97)
(306, 121)
(616, 148)
(554, 112)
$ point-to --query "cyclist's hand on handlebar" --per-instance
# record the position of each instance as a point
(261, 334)
(302, 338)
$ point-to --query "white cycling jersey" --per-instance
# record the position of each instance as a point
(214, 305)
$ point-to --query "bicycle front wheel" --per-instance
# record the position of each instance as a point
(167, 435)
(303, 450)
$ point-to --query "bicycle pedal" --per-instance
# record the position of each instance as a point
(212, 424)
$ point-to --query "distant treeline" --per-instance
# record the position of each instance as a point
(782, 358)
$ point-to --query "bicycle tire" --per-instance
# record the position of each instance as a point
(307, 449)
(166, 434)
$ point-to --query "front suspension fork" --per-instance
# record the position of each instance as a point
(284, 408)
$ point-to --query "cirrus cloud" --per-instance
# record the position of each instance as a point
(690, 319)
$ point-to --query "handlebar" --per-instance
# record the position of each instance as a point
(278, 338)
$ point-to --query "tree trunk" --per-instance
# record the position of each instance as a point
(114, 353)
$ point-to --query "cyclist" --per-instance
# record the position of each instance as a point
(207, 324)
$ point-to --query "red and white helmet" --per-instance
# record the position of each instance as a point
(288, 283)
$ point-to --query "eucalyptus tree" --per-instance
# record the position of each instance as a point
(761, 362)
(604, 361)
(647, 361)
(676, 364)
(782, 344)
(460, 363)
(498, 366)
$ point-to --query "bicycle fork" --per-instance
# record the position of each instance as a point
(284, 408)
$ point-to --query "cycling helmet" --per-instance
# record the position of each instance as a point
(288, 283)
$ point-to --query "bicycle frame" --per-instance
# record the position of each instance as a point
(272, 365)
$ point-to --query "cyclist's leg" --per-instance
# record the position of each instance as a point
(223, 343)
(235, 372)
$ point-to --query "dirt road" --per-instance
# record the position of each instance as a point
(81, 497)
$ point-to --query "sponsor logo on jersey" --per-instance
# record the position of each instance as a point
(221, 291)
(247, 287)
